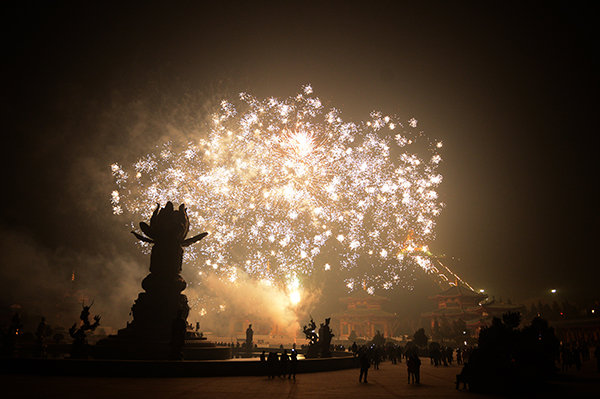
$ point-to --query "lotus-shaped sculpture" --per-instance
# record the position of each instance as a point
(168, 226)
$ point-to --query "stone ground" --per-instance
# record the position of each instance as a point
(387, 382)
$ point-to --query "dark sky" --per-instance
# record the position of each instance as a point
(510, 89)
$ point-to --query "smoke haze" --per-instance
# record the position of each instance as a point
(510, 91)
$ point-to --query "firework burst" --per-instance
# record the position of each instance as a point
(287, 189)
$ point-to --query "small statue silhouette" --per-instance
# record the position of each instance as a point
(310, 333)
(79, 348)
(320, 343)
(249, 336)
(325, 336)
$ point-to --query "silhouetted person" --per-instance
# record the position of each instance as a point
(585, 351)
(40, 333)
(293, 364)
(272, 363)
(443, 356)
(417, 369)
(283, 363)
(392, 354)
(437, 356)
(565, 357)
(263, 363)
(354, 349)
(413, 365)
(431, 355)
(365, 363)
(376, 358)
(577, 358)
(464, 376)
(10, 338)
(597, 356)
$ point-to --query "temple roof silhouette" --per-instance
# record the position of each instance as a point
(460, 291)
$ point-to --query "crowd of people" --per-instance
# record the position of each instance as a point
(373, 355)
(445, 356)
(573, 353)
(280, 365)
(283, 364)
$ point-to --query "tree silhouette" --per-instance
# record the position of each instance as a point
(420, 339)
(352, 336)
(509, 358)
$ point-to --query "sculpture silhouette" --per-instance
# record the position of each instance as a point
(156, 308)
(159, 327)
(325, 336)
(79, 350)
(249, 336)
(319, 344)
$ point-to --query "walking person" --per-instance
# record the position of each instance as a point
(263, 363)
(283, 363)
(365, 363)
(293, 364)
(354, 349)
(417, 367)
(597, 356)
(272, 363)
(414, 369)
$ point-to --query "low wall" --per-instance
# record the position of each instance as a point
(162, 368)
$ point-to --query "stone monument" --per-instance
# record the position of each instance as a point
(249, 335)
(150, 334)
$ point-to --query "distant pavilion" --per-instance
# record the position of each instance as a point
(364, 316)
(461, 302)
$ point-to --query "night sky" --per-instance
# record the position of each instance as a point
(510, 89)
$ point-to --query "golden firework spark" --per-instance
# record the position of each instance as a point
(286, 182)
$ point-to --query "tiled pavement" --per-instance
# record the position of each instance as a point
(387, 382)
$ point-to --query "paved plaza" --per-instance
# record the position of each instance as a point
(390, 381)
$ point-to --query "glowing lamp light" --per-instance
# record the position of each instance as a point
(553, 291)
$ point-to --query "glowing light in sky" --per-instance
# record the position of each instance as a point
(287, 189)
